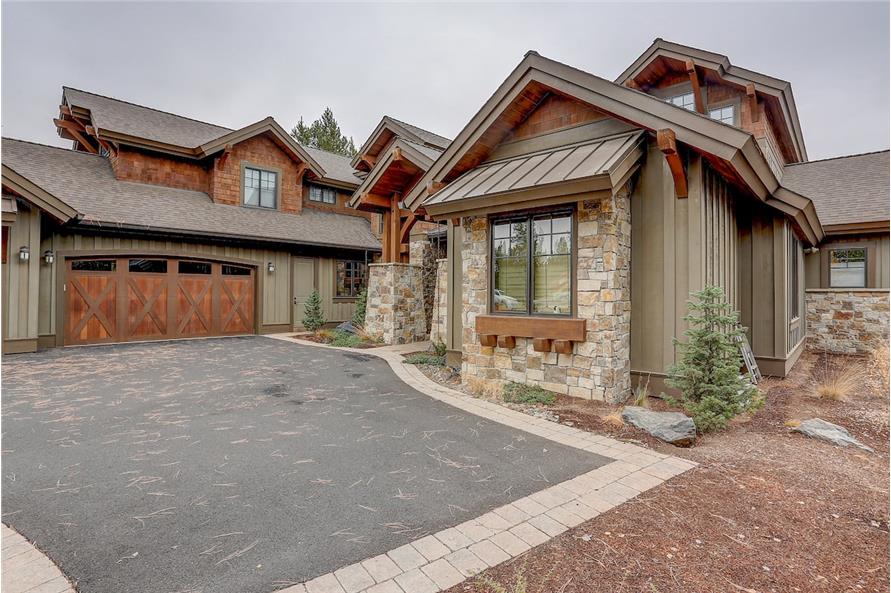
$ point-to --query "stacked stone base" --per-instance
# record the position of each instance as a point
(395, 309)
(847, 321)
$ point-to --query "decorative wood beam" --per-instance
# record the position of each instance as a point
(75, 131)
(397, 154)
(563, 346)
(541, 344)
(410, 221)
(385, 238)
(376, 201)
(456, 222)
(668, 145)
(435, 186)
(394, 228)
(753, 101)
(488, 340)
(221, 161)
(106, 145)
(508, 342)
(632, 84)
(302, 168)
(65, 110)
(369, 160)
(697, 86)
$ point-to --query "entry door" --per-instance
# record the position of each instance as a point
(304, 279)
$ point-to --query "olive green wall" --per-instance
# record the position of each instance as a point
(877, 259)
(20, 283)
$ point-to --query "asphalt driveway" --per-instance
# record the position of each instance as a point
(243, 465)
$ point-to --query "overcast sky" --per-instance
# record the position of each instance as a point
(431, 65)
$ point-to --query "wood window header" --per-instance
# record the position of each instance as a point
(550, 328)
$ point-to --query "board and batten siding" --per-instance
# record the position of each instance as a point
(275, 287)
(720, 236)
(20, 280)
(336, 310)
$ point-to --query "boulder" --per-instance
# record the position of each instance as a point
(348, 327)
(671, 427)
(817, 428)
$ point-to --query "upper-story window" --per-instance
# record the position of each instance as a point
(725, 114)
(260, 188)
(687, 101)
(325, 195)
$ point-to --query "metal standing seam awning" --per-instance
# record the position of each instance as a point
(599, 164)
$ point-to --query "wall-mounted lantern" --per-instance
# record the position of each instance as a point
(24, 253)
(49, 257)
(270, 267)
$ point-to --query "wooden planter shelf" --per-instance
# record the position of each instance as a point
(546, 332)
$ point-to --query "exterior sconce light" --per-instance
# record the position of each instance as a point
(270, 267)
(24, 253)
(49, 257)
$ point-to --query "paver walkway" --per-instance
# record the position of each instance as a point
(26, 569)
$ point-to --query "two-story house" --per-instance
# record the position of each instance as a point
(159, 226)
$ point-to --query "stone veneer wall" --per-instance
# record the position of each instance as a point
(439, 326)
(846, 321)
(395, 309)
(600, 367)
(421, 253)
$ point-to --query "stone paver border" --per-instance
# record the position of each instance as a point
(444, 559)
(26, 569)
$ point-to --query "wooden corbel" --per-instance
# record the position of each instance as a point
(301, 171)
(407, 226)
(508, 342)
(434, 186)
(541, 344)
(697, 86)
(668, 145)
(397, 154)
(221, 162)
(632, 84)
(65, 110)
(488, 340)
(753, 101)
(76, 132)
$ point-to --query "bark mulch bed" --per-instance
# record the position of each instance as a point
(765, 511)
(323, 340)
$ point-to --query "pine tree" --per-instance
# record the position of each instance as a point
(361, 305)
(708, 371)
(324, 133)
(313, 318)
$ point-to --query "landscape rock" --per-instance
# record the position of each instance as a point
(348, 327)
(671, 427)
(817, 428)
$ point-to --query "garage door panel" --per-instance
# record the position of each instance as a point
(236, 305)
(92, 299)
(194, 313)
(147, 306)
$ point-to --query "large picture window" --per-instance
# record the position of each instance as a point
(349, 278)
(260, 187)
(532, 264)
(847, 268)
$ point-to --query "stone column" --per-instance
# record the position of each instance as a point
(395, 309)
(439, 325)
(421, 253)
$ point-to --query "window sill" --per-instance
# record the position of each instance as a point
(545, 331)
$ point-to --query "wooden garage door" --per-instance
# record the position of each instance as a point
(149, 298)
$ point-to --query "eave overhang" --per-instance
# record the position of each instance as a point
(395, 150)
(38, 196)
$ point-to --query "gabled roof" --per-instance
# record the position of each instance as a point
(419, 155)
(389, 128)
(779, 89)
(847, 190)
(153, 129)
(85, 184)
(734, 147)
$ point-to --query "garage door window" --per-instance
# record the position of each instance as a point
(93, 265)
(235, 270)
(194, 267)
(148, 266)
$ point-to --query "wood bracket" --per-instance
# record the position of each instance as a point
(397, 154)
(563, 346)
(434, 186)
(75, 130)
(632, 84)
(221, 162)
(753, 101)
(697, 86)
(410, 221)
(488, 340)
(508, 342)
(668, 145)
(541, 344)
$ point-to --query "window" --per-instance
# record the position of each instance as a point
(380, 224)
(687, 101)
(534, 279)
(724, 114)
(326, 195)
(349, 278)
(794, 278)
(5, 244)
(230, 270)
(260, 188)
(93, 265)
(148, 266)
(847, 268)
(194, 267)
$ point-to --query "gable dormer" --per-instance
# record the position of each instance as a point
(707, 83)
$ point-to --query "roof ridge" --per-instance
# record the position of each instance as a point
(836, 158)
(337, 154)
(150, 108)
(79, 152)
(405, 123)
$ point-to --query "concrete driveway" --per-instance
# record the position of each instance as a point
(243, 465)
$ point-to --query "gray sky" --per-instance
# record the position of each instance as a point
(431, 65)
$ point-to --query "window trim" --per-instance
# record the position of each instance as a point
(323, 188)
(721, 104)
(529, 215)
(866, 262)
(364, 280)
(279, 181)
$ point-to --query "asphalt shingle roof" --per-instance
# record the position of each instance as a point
(844, 190)
(86, 182)
(337, 167)
(423, 135)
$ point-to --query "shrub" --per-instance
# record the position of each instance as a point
(313, 318)
(519, 393)
(708, 369)
(836, 381)
(344, 339)
(640, 396)
(425, 358)
(439, 349)
(361, 305)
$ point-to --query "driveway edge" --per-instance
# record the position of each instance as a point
(26, 569)
(439, 561)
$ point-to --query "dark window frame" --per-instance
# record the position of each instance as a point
(323, 189)
(529, 217)
(276, 190)
(350, 267)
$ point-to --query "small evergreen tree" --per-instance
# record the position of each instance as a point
(324, 133)
(708, 370)
(313, 318)
(361, 305)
